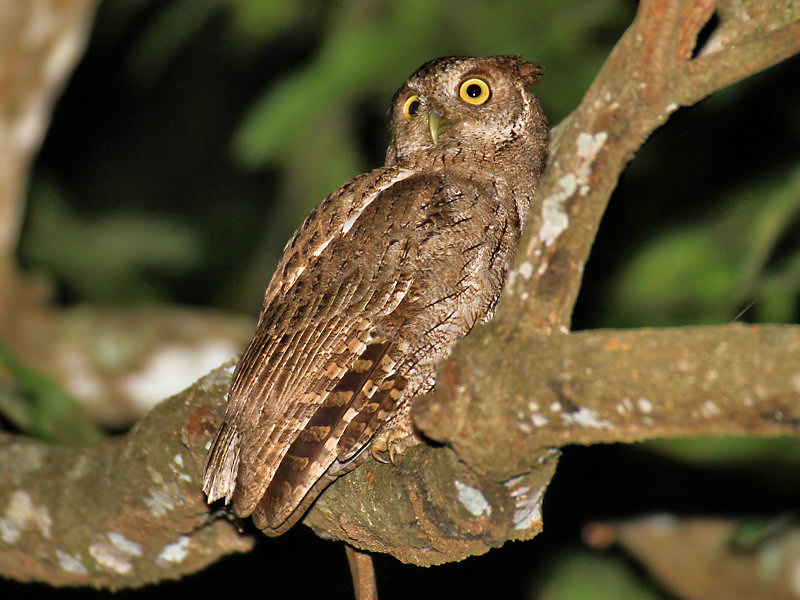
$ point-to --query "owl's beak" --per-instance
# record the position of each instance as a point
(438, 125)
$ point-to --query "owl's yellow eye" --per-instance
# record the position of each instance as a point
(411, 107)
(474, 91)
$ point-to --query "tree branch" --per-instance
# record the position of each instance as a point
(123, 513)
(42, 41)
(648, 75)
(134, 513)
(711, 72)
(613, 386)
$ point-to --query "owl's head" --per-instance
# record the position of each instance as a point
(478, 104)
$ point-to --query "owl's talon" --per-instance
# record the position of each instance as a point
(377, 454)
(392, 442)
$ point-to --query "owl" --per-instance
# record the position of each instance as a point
(377, 285)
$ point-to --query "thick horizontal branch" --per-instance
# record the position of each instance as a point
(123, 513)
(133, 512)
(612, 386)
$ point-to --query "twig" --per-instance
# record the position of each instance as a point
(363, 571)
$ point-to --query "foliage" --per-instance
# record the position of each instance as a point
(740, 261)
(40, 407)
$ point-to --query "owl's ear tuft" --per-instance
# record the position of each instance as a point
(530, 72)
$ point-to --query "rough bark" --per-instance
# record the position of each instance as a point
(122, 513)
(649, 74)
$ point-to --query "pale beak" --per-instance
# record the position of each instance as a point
(437, 124)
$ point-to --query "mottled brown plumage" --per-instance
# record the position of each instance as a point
(373, 290)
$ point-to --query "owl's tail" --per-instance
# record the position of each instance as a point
(222, 465)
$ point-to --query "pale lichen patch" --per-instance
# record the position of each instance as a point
(115, 553)
(177, 469)
(125, 545)
(175, 553)
(22, 514)
(624, 406)
(531, 419)
(554, 218)
(669, 109)
(9, 532)
(645, 406)
(69, 563)
(587, 147)
(159, 502)
(586, 417)
(539, 420)
(709, 409)
(526, 270)
(110, 558)
(473, 499)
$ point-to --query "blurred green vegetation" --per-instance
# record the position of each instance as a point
(581, 576)
(197, 134)
(742, 260)
(40, 407)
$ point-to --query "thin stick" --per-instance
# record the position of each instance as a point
(363, 572)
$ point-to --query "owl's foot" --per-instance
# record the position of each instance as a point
(392, 442)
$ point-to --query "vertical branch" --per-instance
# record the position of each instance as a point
(363, 571)
(649, 74)
(40, 43)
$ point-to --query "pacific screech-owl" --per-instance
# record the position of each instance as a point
(378, 284)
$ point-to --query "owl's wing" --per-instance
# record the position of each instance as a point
(320, 354)
(320, 376)
(298, 386)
